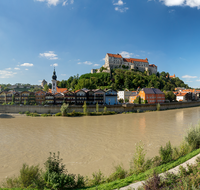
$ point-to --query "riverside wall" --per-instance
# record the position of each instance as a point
(92, 108)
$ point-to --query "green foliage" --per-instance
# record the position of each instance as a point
(4, 103)
(98, 178)
(119, 173)
(56, 176)
(31, 177)
(64, 109)
(166, 153)
(158, 107)
(170, 96)
(46, 88)
(97, 107)
(126, 100)
(137, 100)
(193, 136)
(25, 102)
(121, 100)
(58, 114)
(85, 108)
(105, 109)
(13, 98)
(137, 164)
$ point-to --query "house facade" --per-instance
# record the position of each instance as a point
(151, 95)
(111, 97)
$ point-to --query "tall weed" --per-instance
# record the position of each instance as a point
(166, 153)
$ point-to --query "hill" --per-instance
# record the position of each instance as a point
(123, 79)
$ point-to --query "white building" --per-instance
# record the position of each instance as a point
(117, 61)
(125, 94)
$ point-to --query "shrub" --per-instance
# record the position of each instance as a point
(97, 107)
(166, 153)
(44, 115)
(21, 112)
(98, 178)
(138, 110)
(4, 103)
(120, 173)
(85, 108)
(137, 163)
(193, 136)
(11, 182)
(58, 114)
(64, 109)
(31, 176)
(158, 107)
(56, 176)
(27, 112)
(153, 183)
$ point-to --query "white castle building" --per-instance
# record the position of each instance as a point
(117, 61)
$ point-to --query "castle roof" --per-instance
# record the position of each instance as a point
(114, 55)
(132, 60)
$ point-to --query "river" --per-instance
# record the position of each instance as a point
(89, 143)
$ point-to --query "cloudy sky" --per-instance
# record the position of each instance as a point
(74, 36)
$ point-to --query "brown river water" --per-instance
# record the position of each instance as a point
(89, 143)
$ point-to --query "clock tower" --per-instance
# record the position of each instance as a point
(54, 82)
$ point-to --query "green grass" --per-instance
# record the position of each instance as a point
(142, 176)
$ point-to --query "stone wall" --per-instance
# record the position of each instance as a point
(92, 108)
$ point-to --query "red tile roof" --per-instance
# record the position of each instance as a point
(114, 55)
(60, 90)
(132, 60)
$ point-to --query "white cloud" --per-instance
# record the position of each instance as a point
(8, 68)
(26, 69)
(96, 65)
(87, 63)
(102, 59)
(198, 80)
(7, 74)
(119, 3)
(121, 9)
(54, 65)
(126, 54)
(189, 81)
(56, 2)
(27, 65)
(189, 77)
(79, 63)
(190, 3)
(16, 68)
(40, 81)
(63, 74)
(49, 55)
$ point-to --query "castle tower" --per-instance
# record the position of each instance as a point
(54, 82)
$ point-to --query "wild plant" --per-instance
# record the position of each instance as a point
(166, 153)
(119, 173)
(137, 163)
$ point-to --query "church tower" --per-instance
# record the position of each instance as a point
(54, 82)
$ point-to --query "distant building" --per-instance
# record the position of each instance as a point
(111, 97)
(184, 97)
(43, 83)
(117, 61)
(151, 95)
(125, 94)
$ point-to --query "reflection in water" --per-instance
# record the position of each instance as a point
(88, 144)
(6, 116)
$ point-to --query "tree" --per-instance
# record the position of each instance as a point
(85, 108)
(97, 107)
(13, 98)
(64, 109)
(137, 100)
(46, 88)
(121, 100)
(25, 102)
(126, 100)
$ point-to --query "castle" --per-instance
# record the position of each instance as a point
(117, 61)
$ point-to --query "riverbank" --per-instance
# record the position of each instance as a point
(92, 108)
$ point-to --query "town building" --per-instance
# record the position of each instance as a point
(149, 95)
(184, 97)
(117, 61)
(43, 83)
(40, 97)
(124, 95)
(111, 97)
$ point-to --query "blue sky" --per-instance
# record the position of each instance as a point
(75, 35)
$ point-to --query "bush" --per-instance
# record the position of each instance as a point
(21, 112)
(44, 115)
(158, 107)
(166, 153)
(27, 112)
(98, 178)
(58, 114)
(31, 177)
(120, 173)
(137, 164)
(64, 109)
(193, 137)
(56, 176)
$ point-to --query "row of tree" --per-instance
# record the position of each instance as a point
(123, 79)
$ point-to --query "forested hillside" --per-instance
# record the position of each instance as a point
(121, 79)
